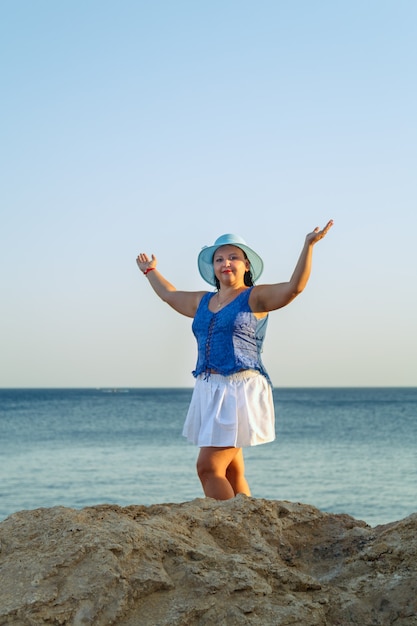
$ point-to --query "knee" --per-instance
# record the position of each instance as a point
(205, 468)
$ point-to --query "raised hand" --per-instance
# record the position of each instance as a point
(144, 262)
(318, 234)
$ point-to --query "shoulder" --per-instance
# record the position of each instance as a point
(250, 301)
(202, 296)
(255, 298)
(185, 302)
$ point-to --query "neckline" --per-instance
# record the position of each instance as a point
(228, 303)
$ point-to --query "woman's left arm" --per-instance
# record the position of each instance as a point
(271, 297)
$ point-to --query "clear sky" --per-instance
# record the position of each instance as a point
(132, 125)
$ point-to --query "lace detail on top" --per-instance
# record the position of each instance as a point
(229, 340)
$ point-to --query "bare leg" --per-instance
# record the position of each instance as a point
(213, 470)
(235, 474)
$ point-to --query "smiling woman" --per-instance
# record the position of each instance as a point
(232, 405)
(237, 246)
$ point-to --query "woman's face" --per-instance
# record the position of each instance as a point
(230, 264)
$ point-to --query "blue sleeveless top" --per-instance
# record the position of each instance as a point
(230, 340)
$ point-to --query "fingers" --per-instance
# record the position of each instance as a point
(325, 229)
(318, 234)
(142, 258)
(144, 263)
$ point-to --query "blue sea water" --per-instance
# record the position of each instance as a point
(342, 450)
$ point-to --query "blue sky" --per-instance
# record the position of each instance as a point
(157, 126)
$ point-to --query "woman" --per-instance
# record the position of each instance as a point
(231, 405)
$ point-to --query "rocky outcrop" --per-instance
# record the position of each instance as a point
(242, 561)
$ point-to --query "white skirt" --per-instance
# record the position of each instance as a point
(235, 411)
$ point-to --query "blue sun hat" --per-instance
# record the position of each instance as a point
(205, 258)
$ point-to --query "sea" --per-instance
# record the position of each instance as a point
(344, 450)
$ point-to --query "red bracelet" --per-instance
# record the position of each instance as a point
(149, 269)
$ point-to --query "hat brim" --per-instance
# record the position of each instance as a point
(205, 262)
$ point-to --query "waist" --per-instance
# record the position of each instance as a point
(240, 375)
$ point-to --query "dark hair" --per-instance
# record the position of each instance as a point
(247, 278)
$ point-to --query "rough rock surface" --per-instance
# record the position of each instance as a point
(242, 561)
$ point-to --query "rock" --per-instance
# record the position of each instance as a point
(242, 561)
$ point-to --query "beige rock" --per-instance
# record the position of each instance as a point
(242, 561)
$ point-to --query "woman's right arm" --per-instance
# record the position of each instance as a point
(185, 302)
